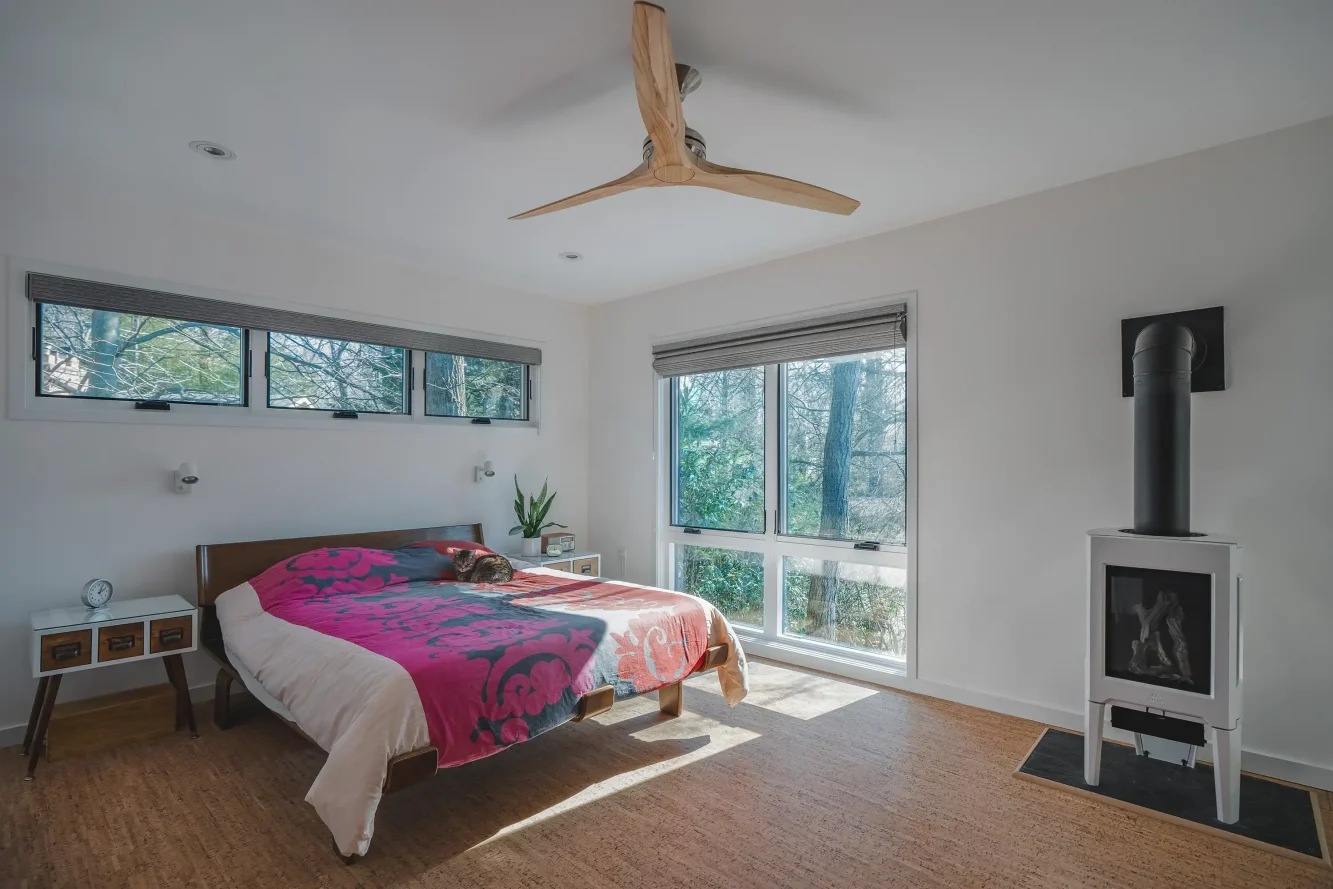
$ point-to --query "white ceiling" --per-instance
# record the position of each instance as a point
(415, 127)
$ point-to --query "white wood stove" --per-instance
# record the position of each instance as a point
(1164, 631)
(1164, 637)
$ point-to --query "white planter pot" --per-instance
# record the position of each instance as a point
(532, 546)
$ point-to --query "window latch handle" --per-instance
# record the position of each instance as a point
(871, 545)
(692, 531)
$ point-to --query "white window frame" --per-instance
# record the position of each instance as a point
(529, 376)
(769, 640)
(23, 402)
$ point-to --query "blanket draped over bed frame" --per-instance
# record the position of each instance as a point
(373, 663)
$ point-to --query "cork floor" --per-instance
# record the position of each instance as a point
(812, 782)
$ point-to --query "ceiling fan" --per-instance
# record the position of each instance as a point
(674, 154)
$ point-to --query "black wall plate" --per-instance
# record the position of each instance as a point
(1210, 374)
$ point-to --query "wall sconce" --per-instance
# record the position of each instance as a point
(485, 471)
(187, 476)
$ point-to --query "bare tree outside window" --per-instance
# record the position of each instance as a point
(314, 373)
(846, 447)
(87, 353)
(459, 386)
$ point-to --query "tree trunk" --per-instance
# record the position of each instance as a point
(105, 344)
(458, 384)
(448, 397)
(822, 611)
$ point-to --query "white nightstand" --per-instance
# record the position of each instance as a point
(67, 640)
(577, 562)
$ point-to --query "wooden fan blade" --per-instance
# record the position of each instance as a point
(639, 177)
(656, 87)
(767, 187)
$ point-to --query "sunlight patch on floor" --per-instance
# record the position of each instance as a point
(789, 692)
(685, 727)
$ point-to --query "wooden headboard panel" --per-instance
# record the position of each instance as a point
(221, 566)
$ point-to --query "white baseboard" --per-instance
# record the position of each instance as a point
(1257, 763)
(12, 736)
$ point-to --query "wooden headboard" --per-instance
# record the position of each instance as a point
(221, 566)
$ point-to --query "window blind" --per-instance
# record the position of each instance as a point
(118, 298)
(846, 333)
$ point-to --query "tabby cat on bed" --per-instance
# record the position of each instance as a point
(487, 568)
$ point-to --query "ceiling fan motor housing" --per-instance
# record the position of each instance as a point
(694, 141)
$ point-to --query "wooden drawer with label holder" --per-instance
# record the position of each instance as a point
(69, 640)
(588, 564)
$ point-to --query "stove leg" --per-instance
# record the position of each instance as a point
(1226, 773)
(1093, 715)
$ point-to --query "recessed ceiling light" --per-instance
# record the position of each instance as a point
(570, 256)
(213, 150)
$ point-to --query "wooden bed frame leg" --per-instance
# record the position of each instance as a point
(671, 699)
(222, 701)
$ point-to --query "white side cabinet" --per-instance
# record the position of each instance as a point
(588, 564)
(67, 640)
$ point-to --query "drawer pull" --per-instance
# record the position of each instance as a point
(586, 569)
(120, 643)
(66, 651)
(171, 636)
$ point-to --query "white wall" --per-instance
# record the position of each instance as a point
(87, 499)
(1024, 440)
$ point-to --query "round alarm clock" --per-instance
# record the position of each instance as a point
(96, 593)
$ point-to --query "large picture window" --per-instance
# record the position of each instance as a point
(314, 373)
(788, 484)
(91, 353)
(459, 386)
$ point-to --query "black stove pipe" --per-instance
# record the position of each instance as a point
(1163, 355)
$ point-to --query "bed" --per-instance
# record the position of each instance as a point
(355, 642)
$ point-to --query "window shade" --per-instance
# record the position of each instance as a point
(846, 333)
(117, 298)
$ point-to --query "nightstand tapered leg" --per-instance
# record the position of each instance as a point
(43, 720)
(184, 707)
(37, 700)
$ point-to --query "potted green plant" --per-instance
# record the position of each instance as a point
(532, 518)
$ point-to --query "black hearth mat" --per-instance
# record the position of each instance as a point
(1279, 817)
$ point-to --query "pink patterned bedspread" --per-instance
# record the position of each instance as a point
(493, 664)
